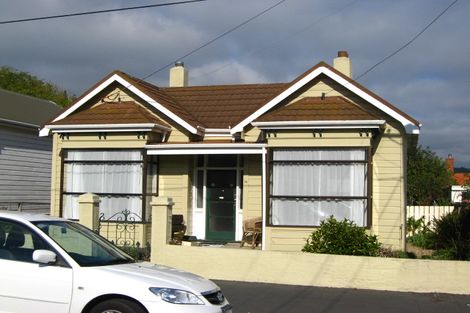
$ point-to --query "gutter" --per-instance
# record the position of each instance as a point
(338, 124)
(91, 128)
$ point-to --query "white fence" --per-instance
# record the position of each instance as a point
(429, 212)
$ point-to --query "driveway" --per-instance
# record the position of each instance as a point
(264, 298)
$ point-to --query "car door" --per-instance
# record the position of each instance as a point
(26, 286)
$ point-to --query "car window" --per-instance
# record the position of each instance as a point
(83, 245)
(18, 242)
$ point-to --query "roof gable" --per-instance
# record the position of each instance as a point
(149, 93)
(231, 108)
(410, 124)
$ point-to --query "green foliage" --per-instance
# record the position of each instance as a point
(341, 237)
(27, 84)
(429, 180)
(419, 233)
(452, 235)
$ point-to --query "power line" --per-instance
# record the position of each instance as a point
(408, 43)
(214, 39)
(98, 12)
(280, 40)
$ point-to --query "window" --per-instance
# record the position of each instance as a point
(116, 176)
(309, 185)
(18, 242)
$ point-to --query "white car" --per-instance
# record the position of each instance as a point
(52, 265)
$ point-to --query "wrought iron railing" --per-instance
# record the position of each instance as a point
(125, 229)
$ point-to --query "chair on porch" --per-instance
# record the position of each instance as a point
(252, 231)
(178, 228)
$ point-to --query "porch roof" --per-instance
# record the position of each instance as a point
(206, 148)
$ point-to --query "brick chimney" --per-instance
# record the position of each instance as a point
(342, 63)
(450, 163)
(178, 75)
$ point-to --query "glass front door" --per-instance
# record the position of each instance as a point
(220, 204)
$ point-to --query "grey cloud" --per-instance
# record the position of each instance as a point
(429, 79)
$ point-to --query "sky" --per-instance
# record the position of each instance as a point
(429, 79)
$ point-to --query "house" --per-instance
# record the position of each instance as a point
(292, 153)
(462, 181)
(25, 158)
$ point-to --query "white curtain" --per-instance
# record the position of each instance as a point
(113, 172)
(108, 206)
(103, 178)
(301, 177)
(306, 212)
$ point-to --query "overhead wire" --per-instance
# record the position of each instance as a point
(280, 40)
(402, 47)
(99, 11)
(409, 42)
(214, 39)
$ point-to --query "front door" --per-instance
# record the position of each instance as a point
(220, 204)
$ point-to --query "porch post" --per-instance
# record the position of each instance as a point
(88, 205)
(161, 224)
(263, 200)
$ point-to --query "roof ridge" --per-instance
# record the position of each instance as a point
(225, 85)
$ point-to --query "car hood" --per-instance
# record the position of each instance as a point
(162, 276)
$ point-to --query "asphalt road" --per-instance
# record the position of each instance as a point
(264, 298)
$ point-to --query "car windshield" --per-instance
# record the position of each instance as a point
(83, 245)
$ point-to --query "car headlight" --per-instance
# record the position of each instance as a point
(176, 296)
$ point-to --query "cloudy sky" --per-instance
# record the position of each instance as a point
(429, 79)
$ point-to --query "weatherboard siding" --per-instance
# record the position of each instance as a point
(387, 184)
(252, 187)
(388, 189)
(25, 169)
(174, 182)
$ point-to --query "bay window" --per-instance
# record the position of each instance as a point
(116, 176)
(308, 185)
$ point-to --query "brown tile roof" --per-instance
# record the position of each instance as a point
(462, 178)
(112, 113)
(316, 109)
(223, 106)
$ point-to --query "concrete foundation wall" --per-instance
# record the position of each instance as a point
(324, 270)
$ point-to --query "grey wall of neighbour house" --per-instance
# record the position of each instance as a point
(25, 169)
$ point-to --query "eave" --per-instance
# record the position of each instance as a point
(92, 128)
(345, 124)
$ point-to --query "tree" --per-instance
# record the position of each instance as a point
(27, 84)
(429, 179)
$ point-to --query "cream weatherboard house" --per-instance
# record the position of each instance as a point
(292, 153)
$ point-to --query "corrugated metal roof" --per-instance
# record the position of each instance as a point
(26, 109)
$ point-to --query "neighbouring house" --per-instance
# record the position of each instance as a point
(462, 181)
(292, 153)
(25, 158)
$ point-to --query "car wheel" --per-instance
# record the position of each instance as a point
(117, 306)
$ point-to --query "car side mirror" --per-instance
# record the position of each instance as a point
(44, 256)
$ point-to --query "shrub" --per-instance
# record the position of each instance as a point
(341, 237)
(452, 235)
(419, 233)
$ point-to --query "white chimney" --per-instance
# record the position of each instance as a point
(343, 63)
(178, 75)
